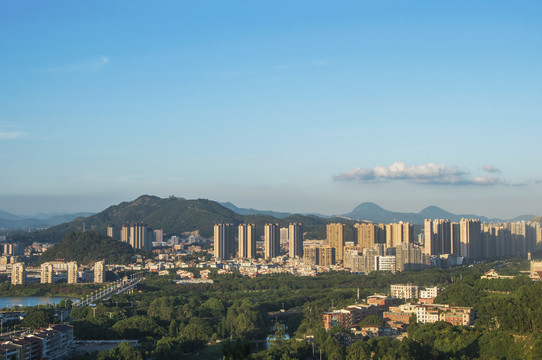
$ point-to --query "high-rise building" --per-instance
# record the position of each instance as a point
(46, 273)
(327, 255)
(284, 237)
(335, 239)
(18, 274)
(224, 241)
(399, 233)
(246, 241)
(271, 240)
(311, 255)
(367, 235)
(470, 238)
(437, 234)
(158, 235)
(295, 234)
(410, 257)
(125, 233)
(110, 229)
(99, 271)
(139, 238)
(72, 272)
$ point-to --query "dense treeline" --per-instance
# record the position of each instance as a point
(89, 247)
(173, 321)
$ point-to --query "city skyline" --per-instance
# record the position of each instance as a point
(309, 107)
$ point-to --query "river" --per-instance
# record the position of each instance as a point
(12, 301)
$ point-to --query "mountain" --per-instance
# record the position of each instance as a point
(89, 247)
(369, 211)
(276, 214)
(244, 211)
(7, 216)
(12, 222)
(175, 216)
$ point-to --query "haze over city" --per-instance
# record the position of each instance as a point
(302, 107)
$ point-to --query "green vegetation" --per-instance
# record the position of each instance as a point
(229, 318)
(60, 290)
(89, 247)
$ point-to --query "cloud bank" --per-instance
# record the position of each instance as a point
(10, 135)
(430, 173)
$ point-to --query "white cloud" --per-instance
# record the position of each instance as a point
(491, 169)
(429, 173)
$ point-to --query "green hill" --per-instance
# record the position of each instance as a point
(174, 216)
(88, 247)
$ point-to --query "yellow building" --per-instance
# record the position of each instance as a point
(246, 241)
(335, 239)
(18, 274)
(327, 256)
(271, 239)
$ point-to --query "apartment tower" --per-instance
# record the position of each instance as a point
(72, 272)
(246, 241)
(271, 239)
(335, 239)
(224, 241)
(18, 274)
(295, 234)
(99, 271)
(46, 273)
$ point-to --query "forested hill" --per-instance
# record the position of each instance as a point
(89, 247)
(173, 215)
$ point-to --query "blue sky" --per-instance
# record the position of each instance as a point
(306, 106)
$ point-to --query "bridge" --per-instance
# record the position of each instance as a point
(114, 288)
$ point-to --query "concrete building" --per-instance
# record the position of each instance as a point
(246, 241)
(295, 234)
(410, 257)
(46, 273)
(470, 238)
(367, 235)
(403, 291)
(437, 235)
(18, 274)
(385, 263)
(311, 255)
(399, 233)
(326, 256)
(72, 272)
(224, 243)
(110, 230)
(158, 235)
(125, 233)
(271, 240)
(335, 239)
(99, 271)
(139, 237)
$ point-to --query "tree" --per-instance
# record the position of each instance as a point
(38, 318)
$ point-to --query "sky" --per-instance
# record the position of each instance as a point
(298, 106)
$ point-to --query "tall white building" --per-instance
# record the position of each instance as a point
(99, 271)
(18, 274)
(72, 272)
(46, 273)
